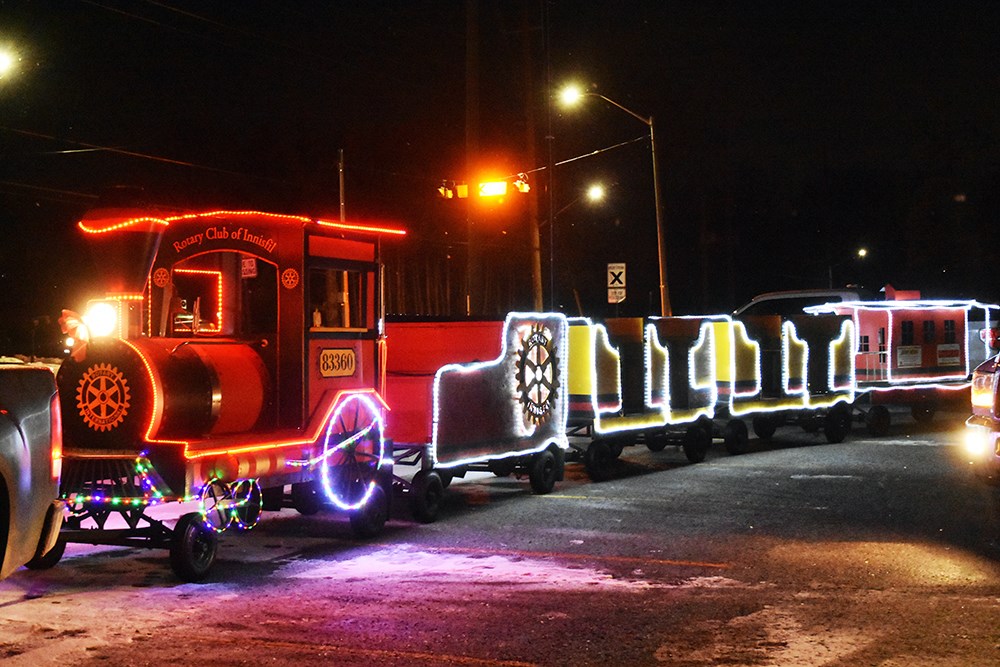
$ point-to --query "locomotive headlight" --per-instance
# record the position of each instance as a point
(101, 318)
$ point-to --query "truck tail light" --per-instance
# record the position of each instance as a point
(55, 417)
(991, 336)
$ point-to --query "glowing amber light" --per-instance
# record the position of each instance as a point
(493, 189)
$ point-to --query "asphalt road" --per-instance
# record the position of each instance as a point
(870, 552)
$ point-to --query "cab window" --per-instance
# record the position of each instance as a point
(338, 299)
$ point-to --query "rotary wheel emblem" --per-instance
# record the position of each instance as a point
(537, 380)
(161, 277)
(289, 278)
(103, 397)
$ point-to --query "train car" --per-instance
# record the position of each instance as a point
(236, 354)
(915, 352)
(778, 370)
(639, 380)
(477, 396)
(689, 380)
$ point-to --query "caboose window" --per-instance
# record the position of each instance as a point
(949, 331)
(906, 332)
(863, 345)
(337, 299)
(929, 333)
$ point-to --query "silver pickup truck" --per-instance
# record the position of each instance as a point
(30, 461)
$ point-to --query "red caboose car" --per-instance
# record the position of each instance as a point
(236, 353)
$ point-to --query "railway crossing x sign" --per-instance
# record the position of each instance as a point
(616, 282)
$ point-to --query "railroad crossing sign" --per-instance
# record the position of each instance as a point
(616, 282)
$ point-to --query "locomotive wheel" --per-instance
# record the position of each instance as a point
(837, 424)
(193, 548)
(368, 520)
(445, 475)
(49, 560)
(544, 470)
(764, 426)
(307, 497)
(696, 443)
(736, 437)
(428, 490)
(353, 453)
(248, 504)
(922, 414)
(598, 459)
(877, 420)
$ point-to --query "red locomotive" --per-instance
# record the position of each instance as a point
(236, 353)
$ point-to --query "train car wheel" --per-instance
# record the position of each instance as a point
(368, 520)
(544, 471)
(248, 504)
(696, 443)
(877, 420)
(307, 497)
(922, 414)
(764, 426)
(428, 491)
(598, 459)
(354, 453)
(656, 441)
(837, 424)
(446, 477)
(502, 467)
(193, 548)
(736, 437)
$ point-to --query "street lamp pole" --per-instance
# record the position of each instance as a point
(665, 308)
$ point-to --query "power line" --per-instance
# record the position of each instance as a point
(136, 154)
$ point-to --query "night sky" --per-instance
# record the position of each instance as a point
(789, 134)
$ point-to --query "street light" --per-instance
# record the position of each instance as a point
(6, 63)
(860, 253)
(594, 194)
(571, 95)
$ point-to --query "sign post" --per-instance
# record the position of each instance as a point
(616, 282)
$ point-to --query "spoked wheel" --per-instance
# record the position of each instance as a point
(877, 420)
(353, 453)
(428, 491)
(736, 437)
(696, 443)
(216, 505)
(193, 548)
(247, 504)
